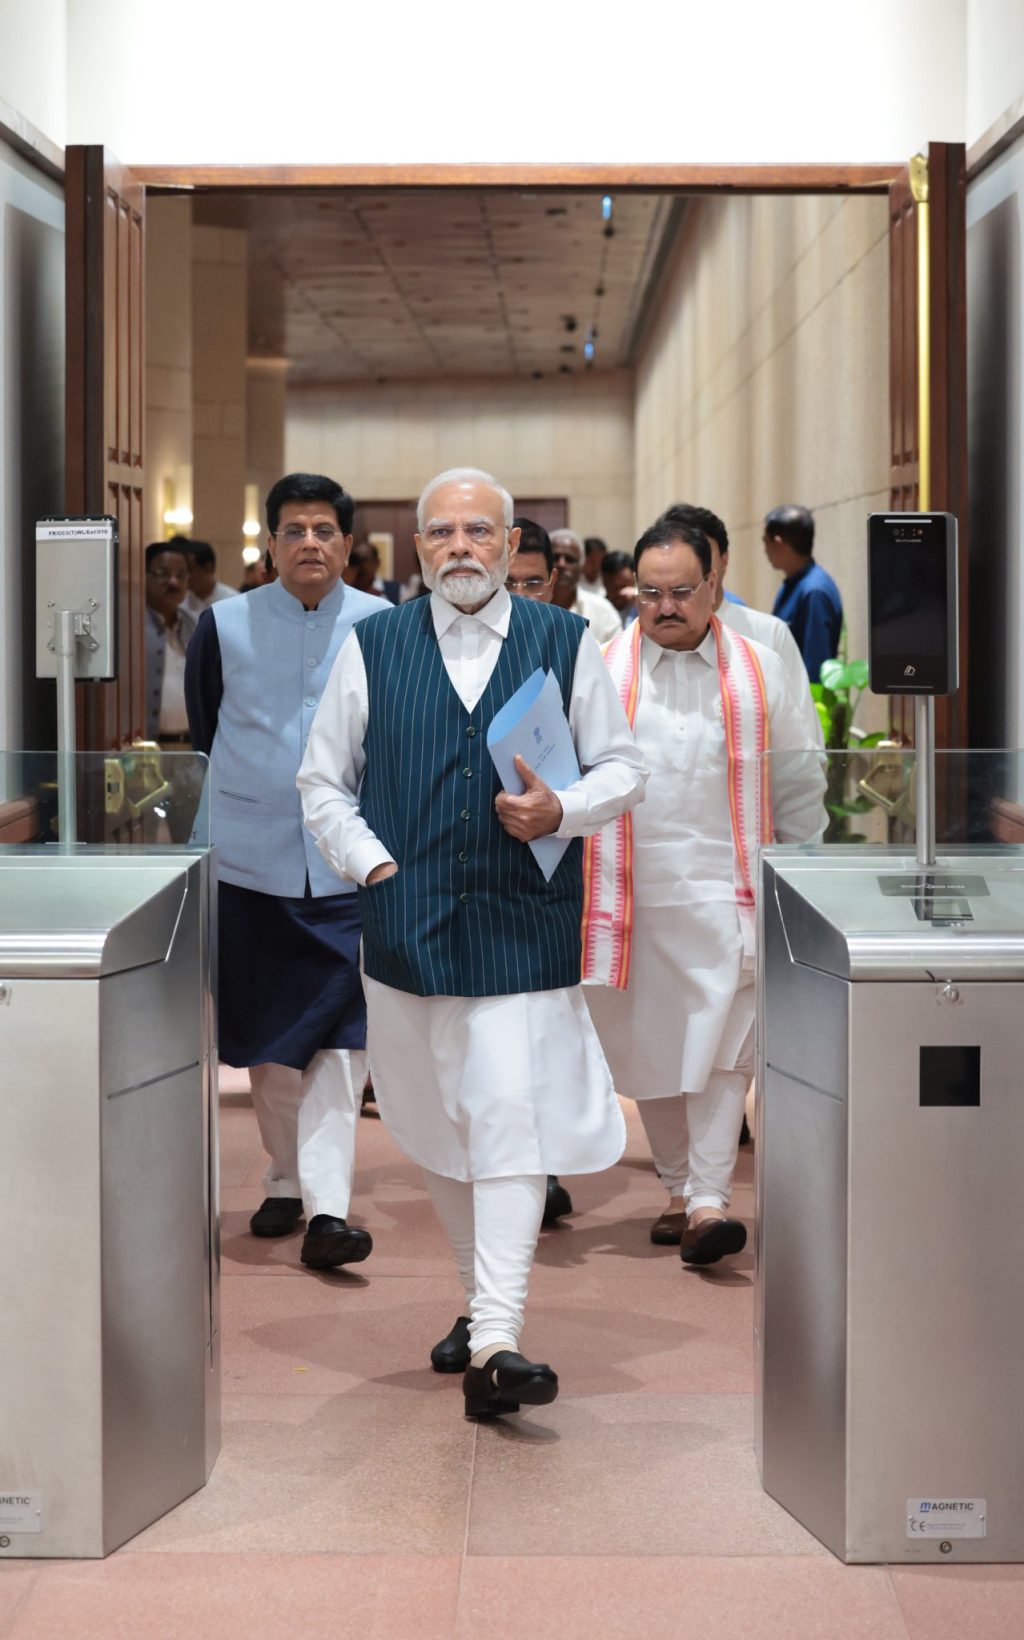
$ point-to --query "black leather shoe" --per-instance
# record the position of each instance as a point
(668, 1230)
(329, 1242)
(706, 1243)
(558, 1202)
(277, 1216)
(452, 1353)
(507, 1382)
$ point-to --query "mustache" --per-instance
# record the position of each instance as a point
(462, 566)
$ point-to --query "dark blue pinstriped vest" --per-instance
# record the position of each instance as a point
(469, 913)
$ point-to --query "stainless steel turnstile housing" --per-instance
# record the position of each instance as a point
(110, 1407)
(889, 1322)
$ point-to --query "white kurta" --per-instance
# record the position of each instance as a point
(600, 615)
(484, 1087)
(775, 635)
(689, 1006)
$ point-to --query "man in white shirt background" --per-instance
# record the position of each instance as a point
(595, 551)
(204, 588)
(169, 626)
(486, 1067)
(567, 554)
(168, 631)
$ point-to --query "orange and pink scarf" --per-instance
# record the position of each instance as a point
(608, 856)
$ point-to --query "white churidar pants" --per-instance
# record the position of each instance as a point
(493, 1226)
(307, 1121)
(694, 1138)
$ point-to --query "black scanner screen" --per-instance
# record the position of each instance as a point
(909, 599)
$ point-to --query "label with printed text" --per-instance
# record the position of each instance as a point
(946, 1518)
(20, 1512)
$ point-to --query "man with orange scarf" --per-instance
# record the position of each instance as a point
(668, 928)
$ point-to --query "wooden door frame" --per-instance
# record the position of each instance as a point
(880, 179)
(647, 179)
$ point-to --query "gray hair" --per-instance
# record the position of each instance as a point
(459, 475)
(570, 536)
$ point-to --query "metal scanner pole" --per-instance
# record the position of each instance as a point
(65, 642)
(924, 778)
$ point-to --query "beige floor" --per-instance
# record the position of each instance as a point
(351, 1498)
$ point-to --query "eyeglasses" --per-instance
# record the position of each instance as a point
(675, 595)
(168, 574)
(294, 534)
(533, 583)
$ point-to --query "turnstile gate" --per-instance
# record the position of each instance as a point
(110, 1411)
(890, 1152)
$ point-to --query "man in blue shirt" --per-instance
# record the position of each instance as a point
(808, 599)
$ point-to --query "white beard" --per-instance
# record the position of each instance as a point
(472, 587)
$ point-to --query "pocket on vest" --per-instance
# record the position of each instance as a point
(237, 797)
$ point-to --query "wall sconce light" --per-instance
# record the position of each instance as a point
(251, 555)
(251, 526)
(177, 499)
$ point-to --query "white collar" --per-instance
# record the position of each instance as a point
(706, 649)
(496, 613)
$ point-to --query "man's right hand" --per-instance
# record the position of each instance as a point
(378, 874)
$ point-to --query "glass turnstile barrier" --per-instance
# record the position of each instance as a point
(889, 1152)
(108, 1181)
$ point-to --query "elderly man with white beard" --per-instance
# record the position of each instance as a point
(487, 1070)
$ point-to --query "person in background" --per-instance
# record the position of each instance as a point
(291, 1000)
(751, 623)
(169, 628)
(620, 585)
(567, 555)
(595, 551)
(254, 575)
(204, 588)
(668, 930)
(532, 574)
(808, 599)
(363, 571)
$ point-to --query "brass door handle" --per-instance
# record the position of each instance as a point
(134, 780)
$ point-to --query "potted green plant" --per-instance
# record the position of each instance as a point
(837, 695)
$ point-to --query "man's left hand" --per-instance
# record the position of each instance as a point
(537, 813)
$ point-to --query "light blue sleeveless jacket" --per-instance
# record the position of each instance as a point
(276, 658)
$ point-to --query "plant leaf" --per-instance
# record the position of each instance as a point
(833, 675)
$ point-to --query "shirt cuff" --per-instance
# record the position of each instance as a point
(364, 857)
(575, 811)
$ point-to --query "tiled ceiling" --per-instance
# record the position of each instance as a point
(415, 283)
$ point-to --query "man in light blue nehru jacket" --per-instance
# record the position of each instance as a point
(291, 1002)
(486, 1067)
